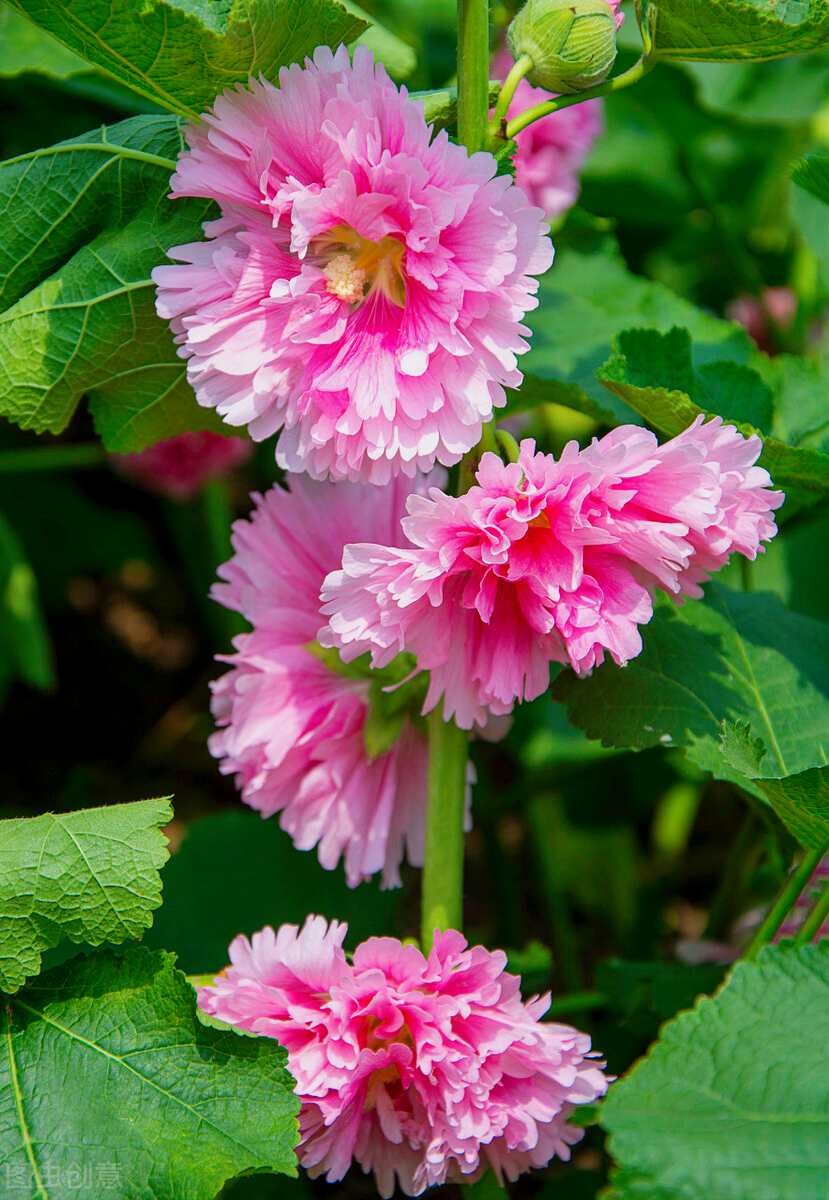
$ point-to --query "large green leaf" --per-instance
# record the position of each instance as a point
(738, 30)
(89, 876)
(25, 647)
(732, 657)
(732, 1102)
(262, 880)
(82, 225)
(111, 1086)
(24, 47)
(586, 298)
(182, 55)
(655, 374)
(801, 801)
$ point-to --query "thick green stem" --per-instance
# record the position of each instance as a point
(815, 919)
(473, 73)
(53, 458)
(785, 902)
(442, 902)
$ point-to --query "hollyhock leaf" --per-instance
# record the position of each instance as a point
(24, 637)
(587, 298)
(89, 876)
(812, 174)
(182, 55)
(82, 224)
(738, 30)
(397, 56)
(24, 47)
(735, 657)
(144, 1096)
(801, 801)
(733, 1099)
(654, 374)
(788, 89)
(263, 877)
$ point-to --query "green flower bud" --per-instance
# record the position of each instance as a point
(572, 43)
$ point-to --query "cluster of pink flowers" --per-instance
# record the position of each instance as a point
(546, 561)
(291, 729)
(361, 294)
(364, 286)
(424, 1070)
(179, 467)
(551, 152)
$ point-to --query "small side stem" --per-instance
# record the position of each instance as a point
(815, 919)
(785, 902)
(636, 72)
(519, 69)
(53, 458)
(442, 900)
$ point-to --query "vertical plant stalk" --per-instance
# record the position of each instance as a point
(813, 922)
(473, 73)
(442, 899)
(785, 902)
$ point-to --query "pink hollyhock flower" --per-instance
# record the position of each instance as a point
(364, 286)
(547, 561)
(292, 729)
(551, 151)
(180, 466)
(779, 303)
(430, 1070)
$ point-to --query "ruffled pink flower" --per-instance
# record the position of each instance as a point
(291, 728)
(180, 466)
(430, 1070)
(551, 152)
(364, 287)
(547, 561)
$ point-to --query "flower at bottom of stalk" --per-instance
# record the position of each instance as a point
(423, 1071)
(550, 561)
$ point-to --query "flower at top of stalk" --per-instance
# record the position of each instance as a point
(551, 151)
(363, 288)
(427, 1070)
(341, 759)
(546, 561)
(179, 467)
(572, 43)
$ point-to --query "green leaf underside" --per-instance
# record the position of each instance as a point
(732, 657)
(585, 300)
(801, 801)
(80, 231)
(24, 47)
(646, 359)
(88, 876)
(739, 30)
(181, 56)
(143, 1100)
(732, 1102)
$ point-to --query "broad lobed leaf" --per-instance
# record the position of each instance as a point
(738, 30)
(182, 55)
(732, 1101)
(732, 657)
(82, 224)
(143, 1100)
(89, 876)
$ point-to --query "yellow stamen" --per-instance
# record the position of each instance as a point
(360, 261)
(345, 278)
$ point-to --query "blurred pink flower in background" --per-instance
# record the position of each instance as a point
(547, 561)
(552, 151)
(430, 1070)
(364, 287)
(291, 728)
(779, 303)
(179, 467)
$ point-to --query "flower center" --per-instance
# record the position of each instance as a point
(356, 267)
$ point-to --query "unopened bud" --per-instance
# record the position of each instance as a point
(572, 43)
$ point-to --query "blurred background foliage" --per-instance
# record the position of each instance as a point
(591, 865)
